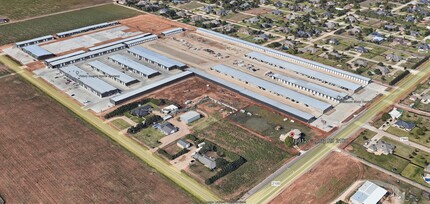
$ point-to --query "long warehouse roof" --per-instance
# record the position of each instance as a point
(84, 55)
(311, 86)
(111, 71)
(94, 83)
(283, 54)
(281, 106)
(133, 65)
(130, 42)
(167, 32)
(303, 70)
(274, 88)
(35, 39)
(119, 41)
(64, 56)
(37, 50)
(143, 89)
(83, 29)
(160, 59)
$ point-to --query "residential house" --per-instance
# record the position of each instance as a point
(163, 11)
(352, 19)
(396, 113)
(141, 111)
(333, 41)
(181, 14)
(393, 57)
(170, 109)
(285, 30)
(244, 30)
(208, 9)
(360, 63)
(361, 49)
(327, 15)
(245, 6)
(408, 126)
(229, 28)
(277, 12)
(414, 33)
(183, 144)
(253, 20)
(168, 128)
(197, 18)
(278, 4)
(383, 70)
(222, 12)
(205, 160)
(424, 47)
(410, 18)
(330, 25)
(391, 27)
(310, 50)
(381, 147)
(354, 31)
(288, 44)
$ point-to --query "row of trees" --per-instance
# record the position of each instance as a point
(172, 157)
(128, 107)
(230, 167)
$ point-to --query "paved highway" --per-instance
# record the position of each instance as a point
(267, 193)
(189, 184)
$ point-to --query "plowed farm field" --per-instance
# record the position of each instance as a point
(48, 155)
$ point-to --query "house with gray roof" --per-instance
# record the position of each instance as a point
(168, 128)
(360, 63)
(205, 160)
(183, 144)
(424, 47)
(384, 70)
(393, 57)
(254, 19)
(408, 126)
(141, 111)
(381, 147)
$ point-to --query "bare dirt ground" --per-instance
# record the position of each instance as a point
(330, 178)
(259, 11)
(153, 24)
(50, 156)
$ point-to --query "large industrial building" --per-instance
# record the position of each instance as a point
(283, 108)
(289, 57)
(94, 84)
(112, 73)
(155, 58)
(133, 66)
(273, 88)
(37, 52)
(35, 41)
(172, 31)
(85, 29)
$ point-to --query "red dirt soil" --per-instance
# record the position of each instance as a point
(50, 156)
(326, 181)
(153, 24)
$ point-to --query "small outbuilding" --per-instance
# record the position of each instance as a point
(167, 128)
(190, 117)
(183, 144)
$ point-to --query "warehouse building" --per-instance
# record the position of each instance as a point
(273, 88)
(35, 41)
(315, 89)
(112, 73)
(93, 84)
(190, 117)
(83, 56)
(86, 29)
(148, 88)
(131, 41)
(133, 66)
(50, 60)
(283, 108)
(368, 193)
(311, 74)
(37, 52)
(155, 58)
(172, 31)
(289, 57)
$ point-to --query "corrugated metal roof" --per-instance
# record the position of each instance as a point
(143, 89)
(130, 42)
(112, 71)
(137, 37)
(35, 40)
(64, 56)
(87, 28)
(265, 49)
(84, 55)
(160, 59)
(133, 65)
(94, 83)
(37, 50)
(276, 104)
(368, 193)
(274, 88)
(171, 31)
(312, 86)
(305, 71)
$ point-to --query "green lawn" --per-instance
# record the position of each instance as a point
(414, 173)
(62, 22)
(190, 6)
(364, 136)
(262, 157)
(134, 118)
(149, 136)
(264, 122)
(120, 124)
(420, 121)
(19, 9)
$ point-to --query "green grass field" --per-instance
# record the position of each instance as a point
(149, 136)
(120, 124)
(262, 157)
(16, 10)
(62, 22)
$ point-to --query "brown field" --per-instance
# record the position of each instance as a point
(51, 156)
(237, 17)
(259, 11)
(153, 24)
(326, 181)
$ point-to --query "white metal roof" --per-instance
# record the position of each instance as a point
(133, 65)
(368, 193)
(46, 37)
(37, 50)
(274, 88)
(112, 71)
(94, 83)
(158, 58)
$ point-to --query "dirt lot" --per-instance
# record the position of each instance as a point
(259, 11)
(153, 24)
(331, 177)
(50, 156)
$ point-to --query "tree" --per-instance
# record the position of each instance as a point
(289, 142)
(420, 131)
